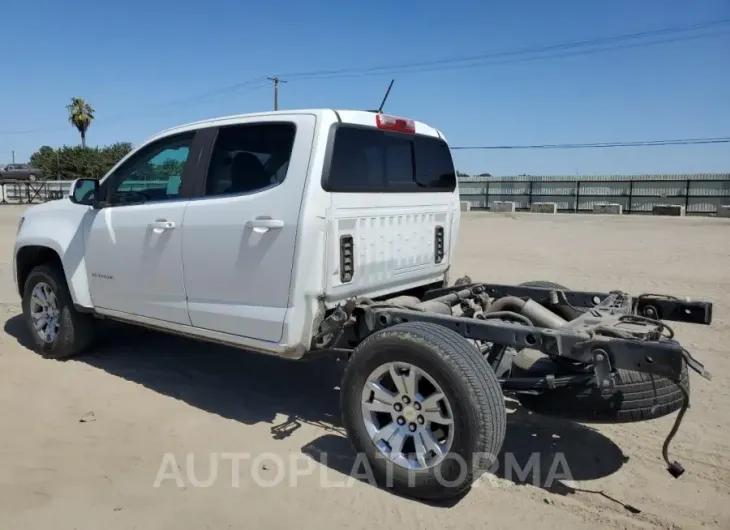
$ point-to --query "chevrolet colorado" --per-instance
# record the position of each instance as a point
(293, 233)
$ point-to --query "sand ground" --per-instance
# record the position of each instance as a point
(82, 442)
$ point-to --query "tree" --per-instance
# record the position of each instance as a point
(80, 115)
(67, 162)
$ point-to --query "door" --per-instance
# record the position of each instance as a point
(134, 249)
(239, 236)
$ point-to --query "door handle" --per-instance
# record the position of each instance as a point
(262, 225)
(161, 225)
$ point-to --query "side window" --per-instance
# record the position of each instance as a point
(249, 158)
(152, 174)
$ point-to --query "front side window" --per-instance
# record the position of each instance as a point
(154, 173)
(250, 157)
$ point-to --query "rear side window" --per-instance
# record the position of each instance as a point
(367, 160)
(248, 158)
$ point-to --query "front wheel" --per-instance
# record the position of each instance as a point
(423, 407)
(57, 329)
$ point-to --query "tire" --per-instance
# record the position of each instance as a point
(32, 177)
(472, 392)
(637, 396)
(75, 330)
(548, 285)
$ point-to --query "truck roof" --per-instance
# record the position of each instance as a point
(356, 117)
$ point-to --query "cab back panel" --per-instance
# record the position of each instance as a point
(393, 247)
(393, 197)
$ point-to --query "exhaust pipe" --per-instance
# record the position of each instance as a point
(538, 314)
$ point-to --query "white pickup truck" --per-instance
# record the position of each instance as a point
(295, 232)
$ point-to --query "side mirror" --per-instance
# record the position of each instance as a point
(84, 191)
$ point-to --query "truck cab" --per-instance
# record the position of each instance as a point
(249, 229)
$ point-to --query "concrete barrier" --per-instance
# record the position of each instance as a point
(465, 206)
(503, 206)
(723, 211)
(543, 207)
(608, 209)
(675, 210)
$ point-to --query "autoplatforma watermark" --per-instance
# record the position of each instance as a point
(268, 470)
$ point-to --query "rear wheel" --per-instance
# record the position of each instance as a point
(636, 396)
(57, 329)
(424, 408)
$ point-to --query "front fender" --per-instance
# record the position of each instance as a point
(62, 227)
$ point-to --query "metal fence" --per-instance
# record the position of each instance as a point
(700, 194)
(25, 192)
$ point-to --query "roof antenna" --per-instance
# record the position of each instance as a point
(385, 98)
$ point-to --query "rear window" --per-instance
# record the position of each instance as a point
(367, 160)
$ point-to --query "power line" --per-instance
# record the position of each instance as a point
(573, 48)
(248, 86)
(518, 51)
(513, 60)
(601, 145)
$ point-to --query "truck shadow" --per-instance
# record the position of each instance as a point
(247, 387)
(538, 451)
(252, 388)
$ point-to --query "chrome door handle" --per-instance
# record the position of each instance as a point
(161, 225)
(262, 225)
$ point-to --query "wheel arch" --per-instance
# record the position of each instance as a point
(29, 256)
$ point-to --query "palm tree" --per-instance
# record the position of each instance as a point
(80, 115)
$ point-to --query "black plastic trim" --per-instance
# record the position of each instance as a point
(438, 244)
(208, 137)
(347, 273)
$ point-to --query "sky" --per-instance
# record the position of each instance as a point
(149, 65)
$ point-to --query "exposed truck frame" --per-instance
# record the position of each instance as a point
(610, 332)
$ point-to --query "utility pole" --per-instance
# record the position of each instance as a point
(13, 155)
(276, 81)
